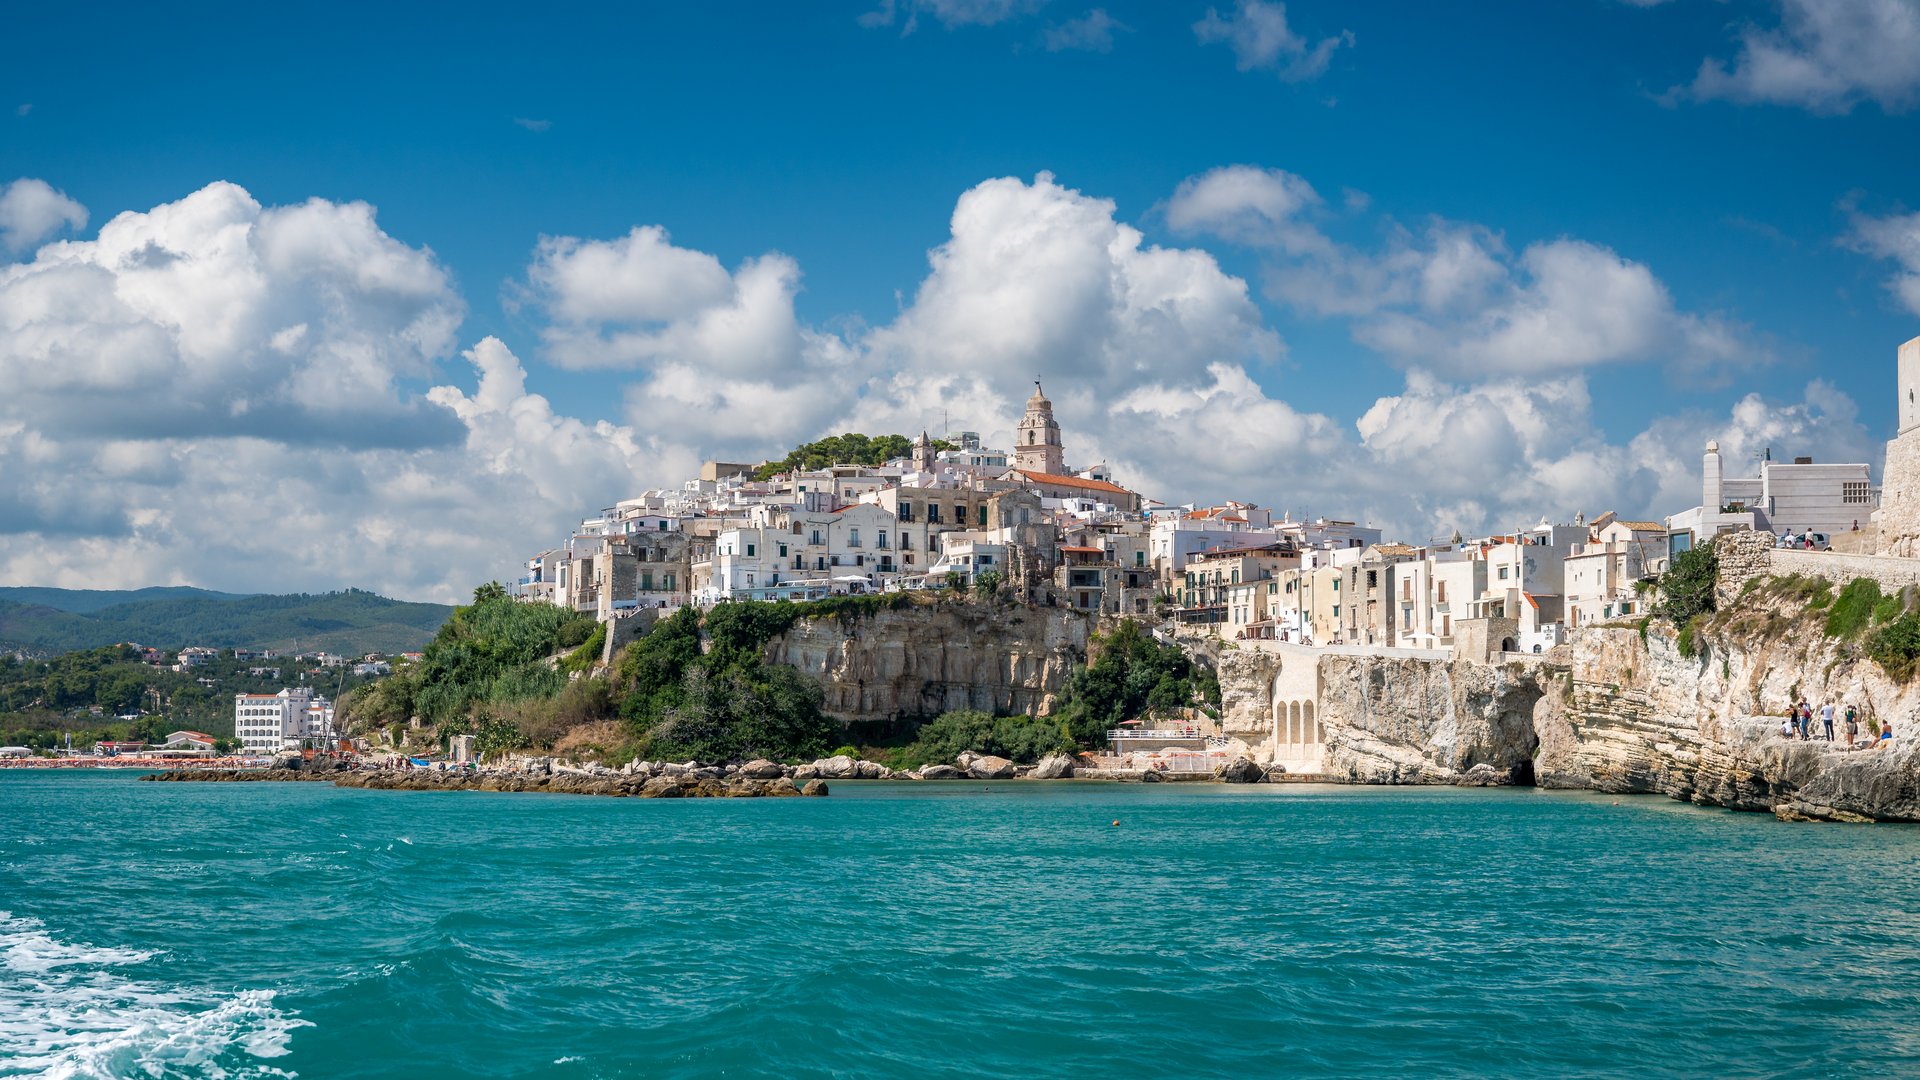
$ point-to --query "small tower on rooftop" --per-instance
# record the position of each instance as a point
(1037, 439)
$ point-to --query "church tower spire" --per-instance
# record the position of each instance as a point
(1037, 439)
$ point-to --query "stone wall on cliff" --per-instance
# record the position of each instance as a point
(920, 661)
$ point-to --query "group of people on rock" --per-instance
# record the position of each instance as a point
(1804, 722)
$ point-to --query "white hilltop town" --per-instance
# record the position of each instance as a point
(1056, 535)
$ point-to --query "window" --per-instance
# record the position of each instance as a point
(959, 515)
(1853, 491)
(1441, 588)
(1406, 588)
(749, 551)
(816, 537)
(908, 559)
(859, 560)
(669, 583)
(783, 551)
(1140, 558)
(906, 541)
(853, 537)
(1336, 584)
(663, 525)
(819, 562)
(883, 539)
(1503, 573)
(906, 511)
(1373, 579)
(983, 515)
(933, 513)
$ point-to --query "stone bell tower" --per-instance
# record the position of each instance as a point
(1899, 513)
(1037, 439)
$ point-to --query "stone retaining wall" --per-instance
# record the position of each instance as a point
(1892, 573)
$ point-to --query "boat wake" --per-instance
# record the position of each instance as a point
(67, 1010)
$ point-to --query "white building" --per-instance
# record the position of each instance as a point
(1787, 497)
(270, 723)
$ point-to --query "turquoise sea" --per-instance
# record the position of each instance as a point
(956, 930)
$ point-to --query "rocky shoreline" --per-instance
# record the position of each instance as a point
(688, 780)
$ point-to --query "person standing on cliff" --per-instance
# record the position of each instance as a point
(1853, 725)
(1826, 719)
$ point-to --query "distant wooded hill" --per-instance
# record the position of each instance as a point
(42, 622)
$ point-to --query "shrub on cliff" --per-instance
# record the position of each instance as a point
(1854, 608)
(1896, 646)
(1686, 589)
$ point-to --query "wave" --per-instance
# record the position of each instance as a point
(68, 1012)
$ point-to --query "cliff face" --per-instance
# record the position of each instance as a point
(1640, 717)
(1389, 720)
(922, 661)
(1399, 721)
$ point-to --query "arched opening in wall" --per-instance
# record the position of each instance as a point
(1506, 645)
(1312, 731)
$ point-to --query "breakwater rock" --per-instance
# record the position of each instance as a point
(618, 785)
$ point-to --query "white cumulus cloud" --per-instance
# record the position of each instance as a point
(1452, 296)
(1895, 237)
(1825, 56)
(1261, 40)
(32, 210)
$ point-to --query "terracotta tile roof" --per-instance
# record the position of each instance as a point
(1643, 526)
(1058, 480)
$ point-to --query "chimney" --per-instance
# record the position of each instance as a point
(1710, 501)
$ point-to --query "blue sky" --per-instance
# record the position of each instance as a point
(1768, 204)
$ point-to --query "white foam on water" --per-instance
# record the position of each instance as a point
(67, 1012)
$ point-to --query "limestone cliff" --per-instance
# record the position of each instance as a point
(1393, 721)
(1637, 716)
(924, 660)
(1383, 719)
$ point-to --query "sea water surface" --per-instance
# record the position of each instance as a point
(943, 930)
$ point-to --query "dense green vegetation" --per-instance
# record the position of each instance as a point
(1017, 738)
(1895, 646)
(852, 448)
(726, 703)
(84, 692)
(47, 621)
(1132, 675)
(491, 652)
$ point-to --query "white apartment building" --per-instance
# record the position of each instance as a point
(800, 552)
(1787, 497)
(1600, 574)
(268, 723)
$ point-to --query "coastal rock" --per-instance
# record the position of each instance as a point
(988, 767)
(868, 770)
(814, 788)
(941, 772)
(805, 772)
(838, 767)
(761, 769)
(1484, 775)
(661, 787)
(1151, 776)
(1053, 767)
(1241, 770)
